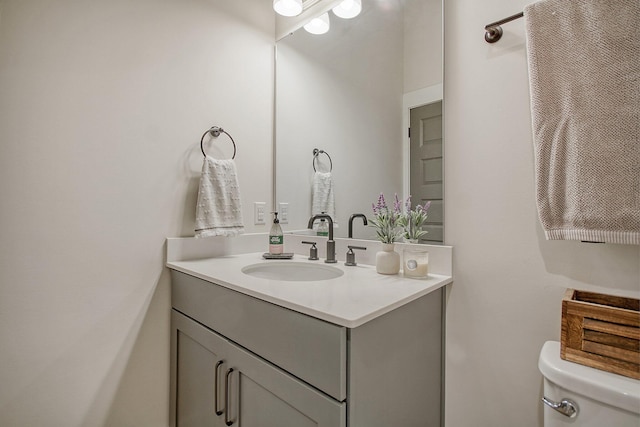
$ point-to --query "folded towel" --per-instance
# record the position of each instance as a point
(584, 69)
(218, 211)
(322, 199)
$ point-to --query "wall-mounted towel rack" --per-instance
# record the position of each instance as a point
(316, 153)
(215, 132)
(493, 31)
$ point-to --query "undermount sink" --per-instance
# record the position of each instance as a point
(292, 271)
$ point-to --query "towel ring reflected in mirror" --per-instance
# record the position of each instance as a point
(316, 153)
(215, 132)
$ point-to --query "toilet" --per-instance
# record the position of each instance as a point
(584, 396)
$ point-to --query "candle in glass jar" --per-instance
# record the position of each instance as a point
(415, 263)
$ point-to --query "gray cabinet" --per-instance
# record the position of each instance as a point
(198, 355)
(217, 383)
(262, 365)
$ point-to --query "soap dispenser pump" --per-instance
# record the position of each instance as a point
(276, 237)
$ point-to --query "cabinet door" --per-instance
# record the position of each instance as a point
(262, 395)
(208, 372)
(198, 365)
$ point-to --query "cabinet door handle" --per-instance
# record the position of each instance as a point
(216, 387)
(226, 397)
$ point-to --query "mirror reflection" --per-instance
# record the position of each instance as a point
(344, 102)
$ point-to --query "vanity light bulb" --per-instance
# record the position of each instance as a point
(319, 25)
(348, 9)
(288, 7)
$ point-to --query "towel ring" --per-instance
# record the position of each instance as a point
(316, 153)
(215, 132)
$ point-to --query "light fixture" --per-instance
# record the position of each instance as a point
(288, 7)
(348, 9)
(319, 25)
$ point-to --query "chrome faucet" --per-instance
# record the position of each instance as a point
(364, 220)
(331, 244)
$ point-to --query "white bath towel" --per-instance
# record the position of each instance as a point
(218, 211)
(322, 197)
(584, 69)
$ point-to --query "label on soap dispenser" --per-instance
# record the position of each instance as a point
(276, 244)
(276, 240)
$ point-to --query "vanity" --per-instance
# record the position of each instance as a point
(359, 349)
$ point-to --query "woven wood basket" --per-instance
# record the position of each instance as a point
(601, 331)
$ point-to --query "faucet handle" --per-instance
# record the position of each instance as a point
(351, 256)
(313, 251)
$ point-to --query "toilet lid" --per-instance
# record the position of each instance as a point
(615, 390)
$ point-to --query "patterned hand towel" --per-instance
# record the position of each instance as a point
(584, 70)
(218, 211)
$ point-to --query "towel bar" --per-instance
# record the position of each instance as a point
(316, 153)
(493, 31)
(215, 132)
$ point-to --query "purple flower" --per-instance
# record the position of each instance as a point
(396, 205)
(407, 204)
(385, 220)
(381, 206)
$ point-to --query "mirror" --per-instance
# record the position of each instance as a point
(349, 94)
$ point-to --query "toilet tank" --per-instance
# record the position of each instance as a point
(602, 398)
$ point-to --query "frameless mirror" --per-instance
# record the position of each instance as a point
(350, 96)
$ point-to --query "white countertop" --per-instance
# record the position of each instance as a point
(351, 300)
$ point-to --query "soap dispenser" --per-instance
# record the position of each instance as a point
(276, 237)
(323, 227)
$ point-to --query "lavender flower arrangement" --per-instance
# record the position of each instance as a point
(412, 221)
(386, 221)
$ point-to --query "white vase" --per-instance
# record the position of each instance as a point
(387, 260)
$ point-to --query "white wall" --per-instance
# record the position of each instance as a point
(509, 281)
(102, 107)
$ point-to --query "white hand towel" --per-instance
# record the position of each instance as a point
(322, 198)
(584, 69)
(218, 211)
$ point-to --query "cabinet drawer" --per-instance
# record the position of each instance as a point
(311, 349)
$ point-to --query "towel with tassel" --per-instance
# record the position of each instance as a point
(584, 70)
(322, 198)
(218, 211)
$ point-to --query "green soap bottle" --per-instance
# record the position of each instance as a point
(323, 227)
(276, 237)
